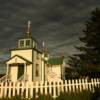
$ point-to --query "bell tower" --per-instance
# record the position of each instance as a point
(27, 41)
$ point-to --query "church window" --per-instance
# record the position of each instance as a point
(21, 43)
(27, 42)
(37, 70)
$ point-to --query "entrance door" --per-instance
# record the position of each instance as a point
(20, 70)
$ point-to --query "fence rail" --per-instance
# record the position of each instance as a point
(33, 89)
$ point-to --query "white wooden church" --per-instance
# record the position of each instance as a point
(29, 63)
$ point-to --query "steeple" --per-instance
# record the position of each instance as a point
(28, 29)
(27, 41)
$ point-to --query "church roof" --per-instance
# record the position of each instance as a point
(55, 61)
(20, 58)
(39, 51)
(25, 36)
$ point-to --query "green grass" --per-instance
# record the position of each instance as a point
(85, 95)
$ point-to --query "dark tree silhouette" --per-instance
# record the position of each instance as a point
(89, 56)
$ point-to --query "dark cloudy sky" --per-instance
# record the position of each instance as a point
(57, 22)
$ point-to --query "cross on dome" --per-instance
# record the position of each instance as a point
(28, 28)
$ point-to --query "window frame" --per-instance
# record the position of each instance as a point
(21, 43)
(27, 42)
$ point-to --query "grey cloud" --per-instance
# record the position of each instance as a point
(57, 22)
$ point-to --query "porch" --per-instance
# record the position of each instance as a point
(17, 69)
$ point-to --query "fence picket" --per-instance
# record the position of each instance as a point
(45, 85)
(13, 88)
(73, 85)
(5, 89)
(66, 86)
(1, 90)
(76, 84)
(69, 85)
(83, 82)
(41, 87)
(80, 85)
(18, 84)
(31, 89)
(27, 87)
(50, 92)
(9, 88)
(86, 84)
(36, 89)
(54, 89)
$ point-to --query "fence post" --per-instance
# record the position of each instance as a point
(95, 82)
(13, 87)
(50, 86)
(86, 84)
(27, 88)
(31, 89)
(92, 85)
(69, 85)
(62, 86)
(45, 87)
(80, 85)
(83, 84)
(5, 89)
(17, 87)
(36, 87)
(58, 87)
(73, 85)
(77, 84)
(1, 90)
(9, 88)
(41, 87)
(54, 89)
(22, 89)
(66, 86)
(98, 82)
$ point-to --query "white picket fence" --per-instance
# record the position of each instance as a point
(33, 89)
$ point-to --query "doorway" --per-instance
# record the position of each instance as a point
(20, 70)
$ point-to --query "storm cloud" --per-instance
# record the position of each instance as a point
(56, 22)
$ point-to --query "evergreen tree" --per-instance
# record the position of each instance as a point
(90, 49)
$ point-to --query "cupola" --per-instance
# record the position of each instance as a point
(27, 41)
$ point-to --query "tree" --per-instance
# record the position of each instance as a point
(89, 55)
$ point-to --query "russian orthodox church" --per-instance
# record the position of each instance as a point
(28, 63)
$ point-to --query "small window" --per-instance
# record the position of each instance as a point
(37, 70)
(27, 42)
(21, 43)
